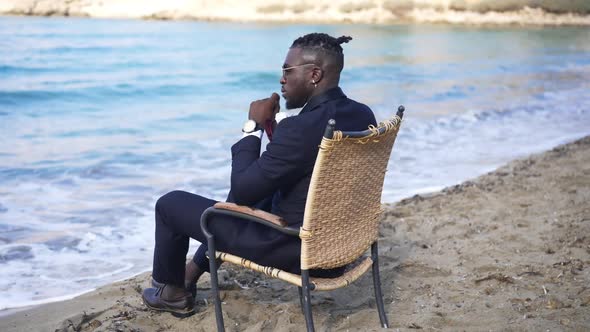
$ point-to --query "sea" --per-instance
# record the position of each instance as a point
(99, 118)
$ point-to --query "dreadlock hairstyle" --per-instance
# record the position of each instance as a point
(324, 46)
(321, 41)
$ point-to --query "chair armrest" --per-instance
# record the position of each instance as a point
(246, 213)
(272, 218)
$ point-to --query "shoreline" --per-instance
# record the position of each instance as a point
(474, 21)
(480, 13)
(508, 250)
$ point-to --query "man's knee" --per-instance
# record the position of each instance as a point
(167, 200)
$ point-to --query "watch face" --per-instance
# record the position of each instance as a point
(249, 126)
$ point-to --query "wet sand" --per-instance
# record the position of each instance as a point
(508, 251)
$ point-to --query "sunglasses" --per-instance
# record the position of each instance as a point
(285, 70)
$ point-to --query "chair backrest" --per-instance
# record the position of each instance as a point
(343, 207)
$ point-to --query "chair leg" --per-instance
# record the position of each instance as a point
(377, 285)
(214, 284)
(205, 217)
(307, 301)
(301, 299)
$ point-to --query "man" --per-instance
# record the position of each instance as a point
(278, 179)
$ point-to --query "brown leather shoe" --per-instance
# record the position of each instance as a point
(183, 306)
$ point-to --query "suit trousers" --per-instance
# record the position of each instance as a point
(178, 216)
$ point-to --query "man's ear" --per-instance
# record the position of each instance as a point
(317, 74)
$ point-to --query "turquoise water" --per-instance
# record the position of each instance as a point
(101, 117)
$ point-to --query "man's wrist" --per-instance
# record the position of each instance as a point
(250, 126)
(257, 133)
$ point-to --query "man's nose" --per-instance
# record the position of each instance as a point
(282, 80)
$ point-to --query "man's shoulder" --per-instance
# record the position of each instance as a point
(358, 105)
(359, 111)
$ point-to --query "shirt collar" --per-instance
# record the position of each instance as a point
(331, 94)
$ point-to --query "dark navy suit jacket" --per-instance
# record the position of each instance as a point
(283, 172)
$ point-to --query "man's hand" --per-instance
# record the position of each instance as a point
(264, 109)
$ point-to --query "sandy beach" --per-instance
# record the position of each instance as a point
(507, 251)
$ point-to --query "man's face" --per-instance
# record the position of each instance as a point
(296, 82)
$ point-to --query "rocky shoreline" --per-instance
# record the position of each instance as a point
(481, 12)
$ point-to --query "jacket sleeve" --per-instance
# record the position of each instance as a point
(254, 178)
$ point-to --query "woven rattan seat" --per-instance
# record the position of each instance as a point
(341, 219)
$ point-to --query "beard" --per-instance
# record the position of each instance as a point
(291, 103)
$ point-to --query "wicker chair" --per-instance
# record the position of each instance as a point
(344, 199)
